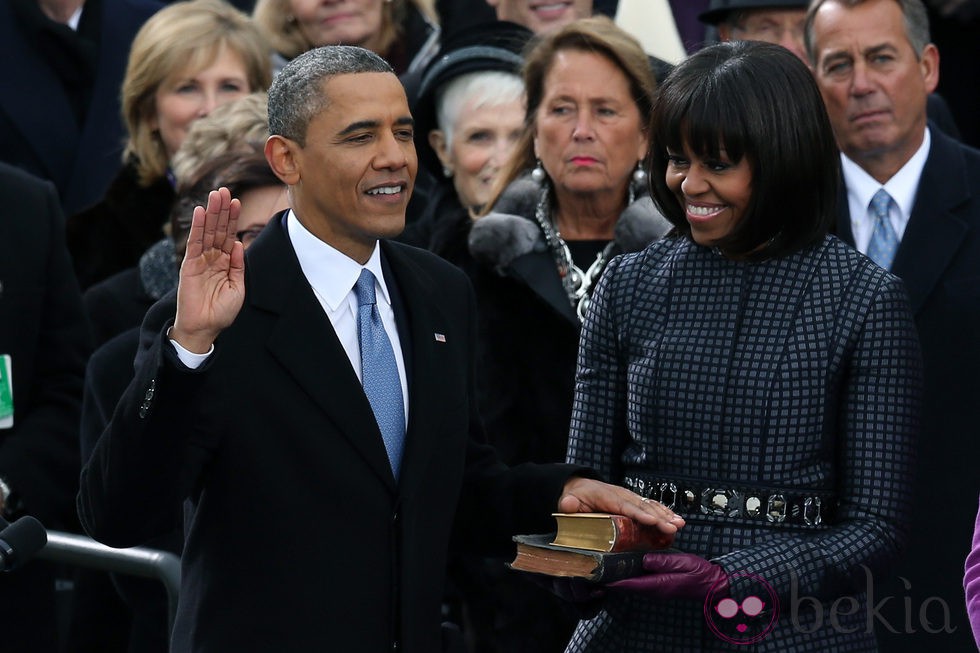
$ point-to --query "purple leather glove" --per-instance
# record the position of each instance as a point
(676, 576)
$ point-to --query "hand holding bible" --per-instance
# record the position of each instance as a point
(675, 575)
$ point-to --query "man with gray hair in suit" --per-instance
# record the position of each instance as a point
(912, 204)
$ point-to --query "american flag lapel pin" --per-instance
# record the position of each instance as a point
(440, 337)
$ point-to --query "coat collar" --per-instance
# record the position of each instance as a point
(511, 242)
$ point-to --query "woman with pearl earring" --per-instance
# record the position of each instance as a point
(572, 196)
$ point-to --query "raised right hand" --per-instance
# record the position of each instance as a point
(211, 289)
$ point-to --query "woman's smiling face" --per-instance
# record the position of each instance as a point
(715, 192)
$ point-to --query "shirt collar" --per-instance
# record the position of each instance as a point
(75, 18)
(331, 273)
(902, 186)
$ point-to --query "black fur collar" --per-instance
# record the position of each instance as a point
(510, 231)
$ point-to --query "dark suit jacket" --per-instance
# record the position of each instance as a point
(107, 375)
(297, 534)
(39, 132)
(939, 261)
(43, 330)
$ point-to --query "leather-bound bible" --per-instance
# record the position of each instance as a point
(595, 546)
(536, 554)
(597, 531)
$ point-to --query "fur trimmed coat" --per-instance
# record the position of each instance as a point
(528, 340)
(528, 328)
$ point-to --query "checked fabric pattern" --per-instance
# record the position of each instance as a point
(379, 371)
(798, 372)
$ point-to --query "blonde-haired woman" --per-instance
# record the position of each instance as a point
(404, 32)
(233, 132)
(188, 59)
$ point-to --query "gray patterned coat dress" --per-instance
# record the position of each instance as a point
(776, 404)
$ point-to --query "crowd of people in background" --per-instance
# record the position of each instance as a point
(734, 269)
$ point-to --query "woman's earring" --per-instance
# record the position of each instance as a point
(640, 176)
(447, 173)
(538, 175)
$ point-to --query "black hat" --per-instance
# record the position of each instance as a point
(718, 10)
(496, 45)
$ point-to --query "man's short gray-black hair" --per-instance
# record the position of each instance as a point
(296, 95)
(914, 14)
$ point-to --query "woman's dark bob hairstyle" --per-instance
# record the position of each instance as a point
(758, 101)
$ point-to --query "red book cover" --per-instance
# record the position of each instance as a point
(607, 532)
(631, 535)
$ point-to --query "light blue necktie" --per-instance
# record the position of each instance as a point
(379, 372)
(884, 241)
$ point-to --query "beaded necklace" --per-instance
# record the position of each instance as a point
(578, 285)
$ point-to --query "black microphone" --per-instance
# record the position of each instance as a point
(20, 541)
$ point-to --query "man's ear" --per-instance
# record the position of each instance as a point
(285, 159)
(929, 65)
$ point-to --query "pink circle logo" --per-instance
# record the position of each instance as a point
(742, 623)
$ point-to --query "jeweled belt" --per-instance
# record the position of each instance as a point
(762, 505)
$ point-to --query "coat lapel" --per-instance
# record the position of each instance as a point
(49, 120)
(100, 142)
(424, 318)
(934, 231)
(537, 271)
(304, 343)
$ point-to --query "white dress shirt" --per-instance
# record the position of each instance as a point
(332, 276)
(902, 187)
